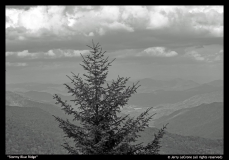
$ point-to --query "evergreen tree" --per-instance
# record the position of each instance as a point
(102, 130)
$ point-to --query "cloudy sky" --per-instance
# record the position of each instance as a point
(43, 43)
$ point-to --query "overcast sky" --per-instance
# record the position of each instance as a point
(43, 43)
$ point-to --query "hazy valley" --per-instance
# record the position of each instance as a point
(194, 113)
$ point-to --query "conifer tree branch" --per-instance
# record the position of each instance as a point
(102, 130)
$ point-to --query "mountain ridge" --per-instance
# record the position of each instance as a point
(153, 84)
(205, 120)
(42, 135)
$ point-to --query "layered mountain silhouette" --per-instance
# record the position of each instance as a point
(43, 96)
(37, 129)
(151, 85)
(162, 96)
(151, 93)
(168, 108)
(205, 120)
(13, 99)
(216, 83)
(148, 85)
(41, 87)
(194, 113)
(177, 144)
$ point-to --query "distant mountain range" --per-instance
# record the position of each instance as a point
(162, 96)
(164, 102)
(19, 100)
(205, 121)
(216, 83)
(37, 129)
(168, 108)
(13, 99)
(39, 99)
(30, 107)
(181, 145)
(148, 85)
(43, 96)
(46, 87)
(152, 92)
